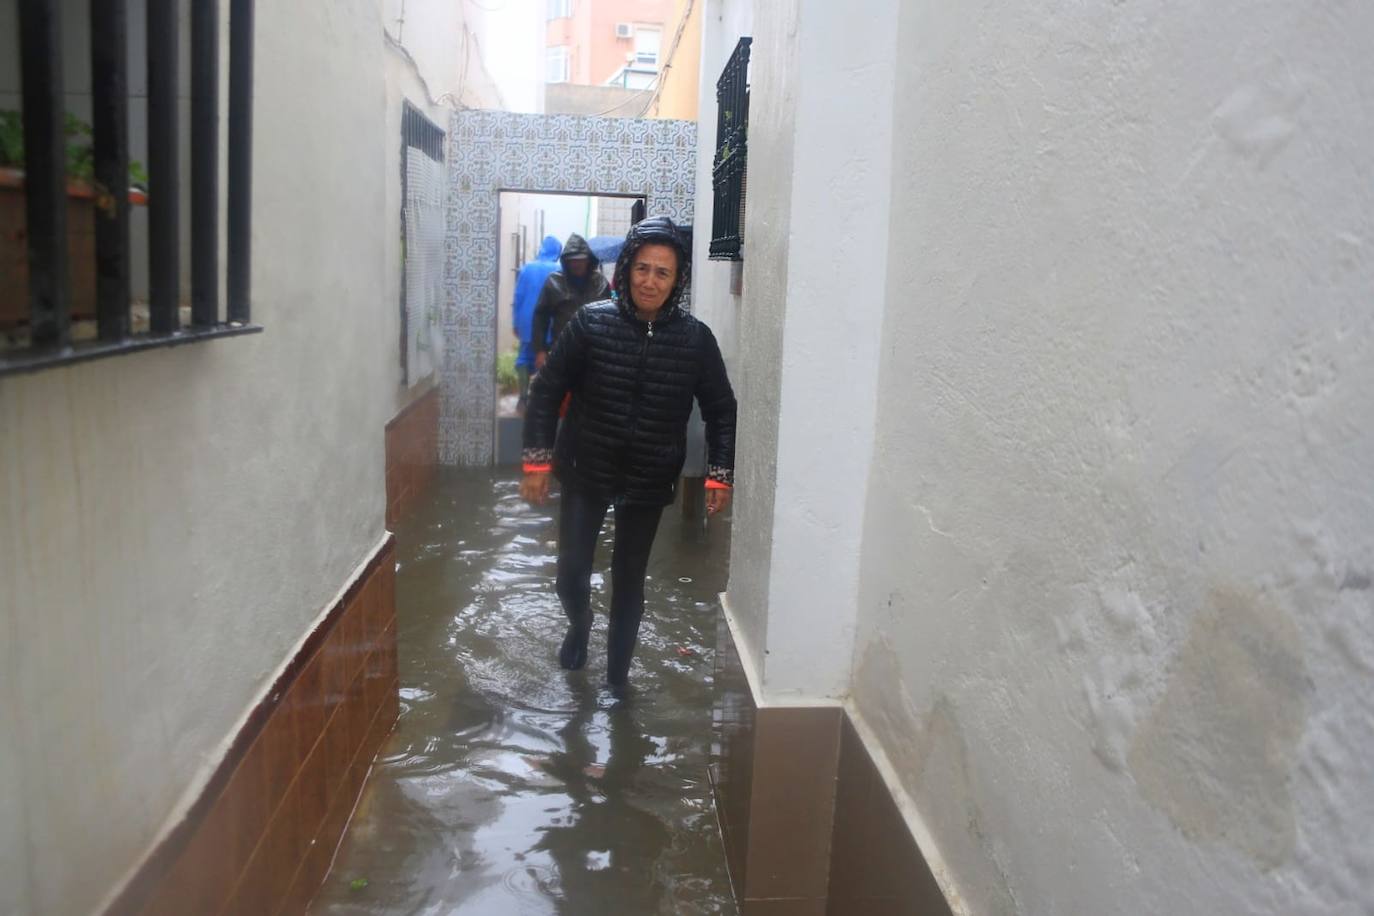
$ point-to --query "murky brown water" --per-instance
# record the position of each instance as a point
(511, 786)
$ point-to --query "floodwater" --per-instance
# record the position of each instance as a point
(511, 786)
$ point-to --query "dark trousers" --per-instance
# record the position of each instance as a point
(579, 528)
(523, 374)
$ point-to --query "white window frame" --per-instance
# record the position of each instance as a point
(643, 58)
(557, 64)
(558, 9)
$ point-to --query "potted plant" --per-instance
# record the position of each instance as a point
(83, 197)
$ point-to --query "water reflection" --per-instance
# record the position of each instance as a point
(599, 851)
(512, 786)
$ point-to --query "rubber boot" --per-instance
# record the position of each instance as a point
(573, 653)
(620, 649)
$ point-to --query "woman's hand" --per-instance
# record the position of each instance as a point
(534, 488)
(717, 500)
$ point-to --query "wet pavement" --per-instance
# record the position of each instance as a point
(511, 786)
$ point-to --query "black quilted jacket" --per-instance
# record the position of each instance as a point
(632, 385)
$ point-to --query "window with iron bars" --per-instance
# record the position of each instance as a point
(729, 172)
(74, 302)
(421, 263)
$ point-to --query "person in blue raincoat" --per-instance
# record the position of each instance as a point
(528, 284)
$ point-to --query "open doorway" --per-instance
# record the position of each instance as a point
(526, 219)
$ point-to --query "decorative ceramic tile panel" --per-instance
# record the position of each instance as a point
(492, 151)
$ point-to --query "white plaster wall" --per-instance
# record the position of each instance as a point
(510, 39)
(422, 67)
(173, 522)
(834, 285)
(507, 268)
(14, 812)
(723, 22)
(1116, 628)
(402, 84)
(442, 39)
(757, 377)
(807, 329)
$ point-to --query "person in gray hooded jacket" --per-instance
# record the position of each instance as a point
(565, 291)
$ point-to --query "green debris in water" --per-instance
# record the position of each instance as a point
(357, 884)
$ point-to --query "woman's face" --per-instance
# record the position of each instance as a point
(652, 275)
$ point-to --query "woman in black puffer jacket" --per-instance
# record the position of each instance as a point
(633, 366)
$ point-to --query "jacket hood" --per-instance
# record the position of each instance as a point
(656, 230)
(577, 247)
(550, 249)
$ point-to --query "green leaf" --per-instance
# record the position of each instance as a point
(11, 139)
(357, 884)
(80, 155)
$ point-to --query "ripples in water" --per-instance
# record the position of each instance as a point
(511, 786)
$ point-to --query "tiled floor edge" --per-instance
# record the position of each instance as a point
(411, 453)
(761, 698)
(742, 649)
(792, 797)
(144, 879)
(886, 785)
(379, 726)
(711, 779)
(733, 714)
(907, 808)
(771, 851)
(330, 839)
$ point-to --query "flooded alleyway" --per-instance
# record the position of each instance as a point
(511, 786)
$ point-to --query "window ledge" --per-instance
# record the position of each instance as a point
(34, 360)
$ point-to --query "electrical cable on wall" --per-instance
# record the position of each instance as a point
(627, 101)
(657, 85)
(401, 49)
(463, 73)
(668, 60)
(469, 35)
(451, 99)
(481, 55)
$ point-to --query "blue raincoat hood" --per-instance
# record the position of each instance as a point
(527, 287)
(550, 249)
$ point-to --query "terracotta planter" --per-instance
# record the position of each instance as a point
(14, 255)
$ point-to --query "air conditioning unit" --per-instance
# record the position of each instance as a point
(624, 30)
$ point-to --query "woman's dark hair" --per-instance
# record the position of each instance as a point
(656, 230)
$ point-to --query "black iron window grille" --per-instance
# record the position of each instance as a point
(419, 133)
(46, 330)
(729, 173)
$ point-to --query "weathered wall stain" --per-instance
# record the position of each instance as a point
(1356, 581)
(1262, 116)
(932, 760)
(1216, 753)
